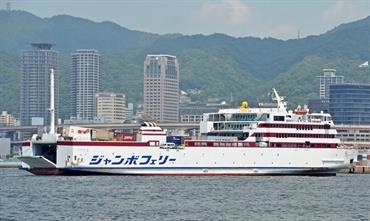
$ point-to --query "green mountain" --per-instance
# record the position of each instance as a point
(221, 66)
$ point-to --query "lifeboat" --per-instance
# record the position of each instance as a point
(301, 111)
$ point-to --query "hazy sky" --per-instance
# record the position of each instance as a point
(281, 19)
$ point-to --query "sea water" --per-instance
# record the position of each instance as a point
(28, 197)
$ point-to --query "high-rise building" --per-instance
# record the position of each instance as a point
(350, 104)
(327, 79)
(161, 88)
(85, 79)
(111, 107)
(35, 83)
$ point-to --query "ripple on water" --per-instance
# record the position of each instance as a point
(28, 197)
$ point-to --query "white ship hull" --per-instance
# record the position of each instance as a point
(205, 161)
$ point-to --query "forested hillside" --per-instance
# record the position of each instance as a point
(221, 66)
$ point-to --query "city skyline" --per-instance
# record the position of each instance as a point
(161, 81)
(188, 83)
(239, 18)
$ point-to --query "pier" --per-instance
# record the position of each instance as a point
(357, 170)
(10, 164)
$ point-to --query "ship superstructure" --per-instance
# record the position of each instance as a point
(272, 126)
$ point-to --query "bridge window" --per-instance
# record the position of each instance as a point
(279, 118)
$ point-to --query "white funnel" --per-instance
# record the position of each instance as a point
(52, 108)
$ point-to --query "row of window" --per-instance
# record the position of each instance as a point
(285, 135)
(301, 145)
(296, 126)
(246, 144)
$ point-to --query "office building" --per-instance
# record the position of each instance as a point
(349, 104)
(85, 79)
(37, 61)
(111, 107)
(161, 88)
(327, 79)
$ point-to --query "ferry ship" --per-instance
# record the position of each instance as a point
(267, 140)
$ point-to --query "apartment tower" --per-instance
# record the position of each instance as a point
(36, 63)
(84, 83)
(111, 107)
(161, 88)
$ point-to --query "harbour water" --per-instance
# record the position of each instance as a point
(27, 197)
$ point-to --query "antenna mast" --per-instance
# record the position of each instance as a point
(281, 104)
